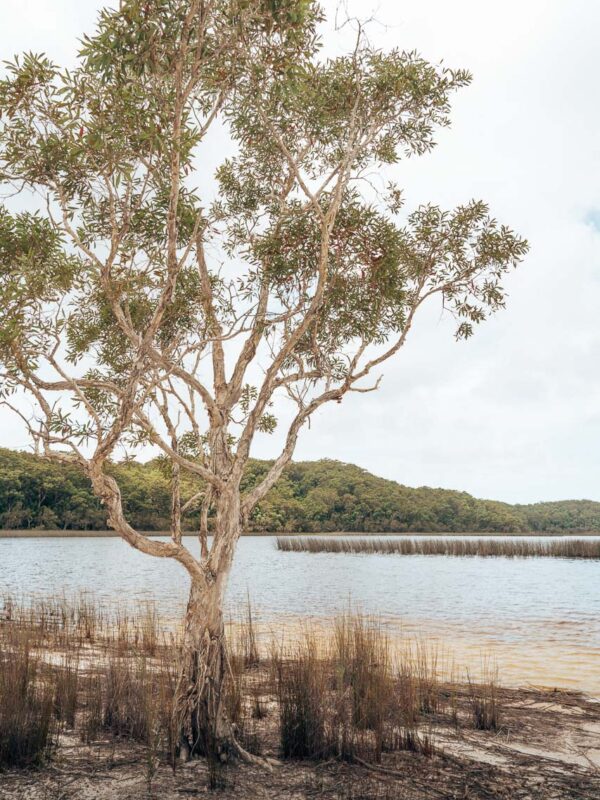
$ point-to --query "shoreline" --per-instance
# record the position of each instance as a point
(39, 533)
(460, 654)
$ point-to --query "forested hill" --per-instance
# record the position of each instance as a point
(311, 496)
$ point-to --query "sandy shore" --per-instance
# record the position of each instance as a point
(548, 748)
(544, 743)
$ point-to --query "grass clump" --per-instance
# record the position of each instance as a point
(301, 689)
(483, 698)
(66, 686)
(28, 730)
(347, 698)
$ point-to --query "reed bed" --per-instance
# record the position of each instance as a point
(567, 548)
(71, 664)
(80, 622)
(107, 676)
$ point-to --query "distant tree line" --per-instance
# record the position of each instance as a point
(316, 496)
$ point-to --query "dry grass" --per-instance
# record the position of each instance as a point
(28, 727)
(509, 548)
(484, 700)
(351, 698)
(71, 665)
(70, 624)
(301, 690)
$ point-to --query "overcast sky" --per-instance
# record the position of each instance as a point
(514, 413)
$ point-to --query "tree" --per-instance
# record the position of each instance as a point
(145, 303)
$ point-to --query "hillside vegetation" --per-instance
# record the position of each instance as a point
(316, 496)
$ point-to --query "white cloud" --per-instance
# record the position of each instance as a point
(515, 412)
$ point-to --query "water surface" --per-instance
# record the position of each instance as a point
(540, 617)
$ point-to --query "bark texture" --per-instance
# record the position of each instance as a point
(201, 716)
(201, 699)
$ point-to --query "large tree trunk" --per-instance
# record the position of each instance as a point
(201, 715)
(200, 707)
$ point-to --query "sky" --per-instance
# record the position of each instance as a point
(513, 413)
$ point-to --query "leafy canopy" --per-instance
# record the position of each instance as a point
(153, 298)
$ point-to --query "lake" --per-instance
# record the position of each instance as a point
(538, 618)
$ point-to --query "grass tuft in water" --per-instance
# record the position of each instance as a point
(509, 548)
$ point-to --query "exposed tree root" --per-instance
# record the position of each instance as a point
(249, 758)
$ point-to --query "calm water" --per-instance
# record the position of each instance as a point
(542, 616)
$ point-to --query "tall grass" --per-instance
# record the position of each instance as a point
(66, 686)
(362, 662)
(510, 548)
(349, 697)
(110, 676)
(248, 640)
(28, 728)
(483, 697)
(302, 686)
(71, 664)
(68, 623)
